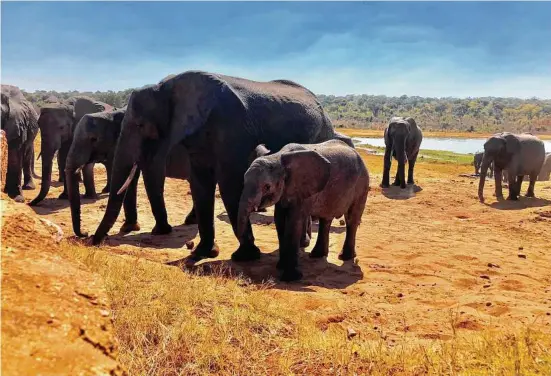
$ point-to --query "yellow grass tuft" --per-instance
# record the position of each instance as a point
(170, 322)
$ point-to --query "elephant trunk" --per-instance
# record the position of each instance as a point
(399, 148)
(47, 159)
(124, 169)
(77, 158)
(486, 161)
(249, 202)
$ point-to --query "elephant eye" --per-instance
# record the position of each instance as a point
(266, 187)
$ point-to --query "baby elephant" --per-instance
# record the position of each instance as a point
(324, 180)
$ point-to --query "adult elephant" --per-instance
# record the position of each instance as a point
(402, 140)
(57, 123)
(519, 154)
(94, 141)
(19, 122)
(220, 119)
(545, 171)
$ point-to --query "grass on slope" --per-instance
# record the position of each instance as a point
(170, 322)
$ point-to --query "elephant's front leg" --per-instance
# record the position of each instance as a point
(321, 249)
(498, 188)
(230, 191)
(61, 162)
(154, 181)
(88, 177)
(280, 213)
(386, 167)
(203, 185)
(191, 218)
(411, 165)
(512, 186)
(130, 205)
(291, 245)
(307, 233)
(530, 191)
(13, 175)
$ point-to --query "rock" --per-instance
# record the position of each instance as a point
(520, 255)
(342, 222)
(400, 295)
(490, 265)
(190, 244)
(351, 333)
(485, 277)
(488, 304)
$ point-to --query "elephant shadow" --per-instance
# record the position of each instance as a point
(521, 203)
(177, 239)
(267, 219)
(397, 193)
(317, 272)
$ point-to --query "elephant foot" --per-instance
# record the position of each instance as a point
(161, 229)
(411, 182)
(246, 252)
(347, 254)
(318, 252)
(63, 196)
(396, 183)
(403, 186)
(280, 264)
(105, 190)
(97, 239)
(129, 227)
(29, 185)
(500, 198)
(90, 196)
(191, 219)
(385, 185)
(530, 194)
(202, 252)
(305, 241)
(19, 198)
(512, 198)
(290, 275)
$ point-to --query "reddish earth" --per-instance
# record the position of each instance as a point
(430, 261)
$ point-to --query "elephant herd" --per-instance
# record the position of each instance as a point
(262, 143)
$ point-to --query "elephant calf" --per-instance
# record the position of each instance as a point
(545, 171)
(94, 141)
(325, 180)
(477, 162)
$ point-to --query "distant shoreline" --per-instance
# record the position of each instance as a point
(357, 132)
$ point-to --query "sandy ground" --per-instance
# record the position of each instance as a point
(429, 262)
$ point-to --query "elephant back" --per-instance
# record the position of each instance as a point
(21, 121)
(85, 105)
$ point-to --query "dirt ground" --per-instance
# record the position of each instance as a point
(431, 259)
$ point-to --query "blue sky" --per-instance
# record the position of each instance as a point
(394, 48)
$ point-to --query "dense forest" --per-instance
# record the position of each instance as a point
(486, 114)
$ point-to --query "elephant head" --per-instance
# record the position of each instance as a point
(498, 149)
(285, 176)
(55, 122)
(151, 126)
(5, 108)
(94, 139)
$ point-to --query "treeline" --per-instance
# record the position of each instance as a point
(486, 114)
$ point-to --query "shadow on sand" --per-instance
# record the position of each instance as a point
(177, 239)
(521, 203)
(317, 272)
(54, 204)
(397, 193)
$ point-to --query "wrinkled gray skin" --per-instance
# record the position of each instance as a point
(220, 119)
(19, 121)
(57, 123)
(519, 154)
(402, 140)
(94, 141)
(325, 180)
(477, 162)
(545, 171)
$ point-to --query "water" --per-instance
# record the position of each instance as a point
(456, 145)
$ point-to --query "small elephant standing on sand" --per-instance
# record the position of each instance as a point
(520, 154)
(402, 139)
(325, 180)
(94, 141)
(477, 161)
(19, 122)
(545, 171)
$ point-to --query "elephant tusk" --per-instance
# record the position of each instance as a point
(128, 180)
(79, 169)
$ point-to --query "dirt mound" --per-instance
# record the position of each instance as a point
(55, 314)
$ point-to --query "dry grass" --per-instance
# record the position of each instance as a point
(171, 322)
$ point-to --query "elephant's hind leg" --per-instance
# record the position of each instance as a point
(88, 175)
(353, 218)
(28, 156)
(411, 165)
(13, 175)
(530, 192)
(191, 218)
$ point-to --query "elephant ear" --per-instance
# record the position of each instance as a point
(307, 173)
(344, 138)
(118, 116)
(512, 143)
(411, 122)
(260, 151)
